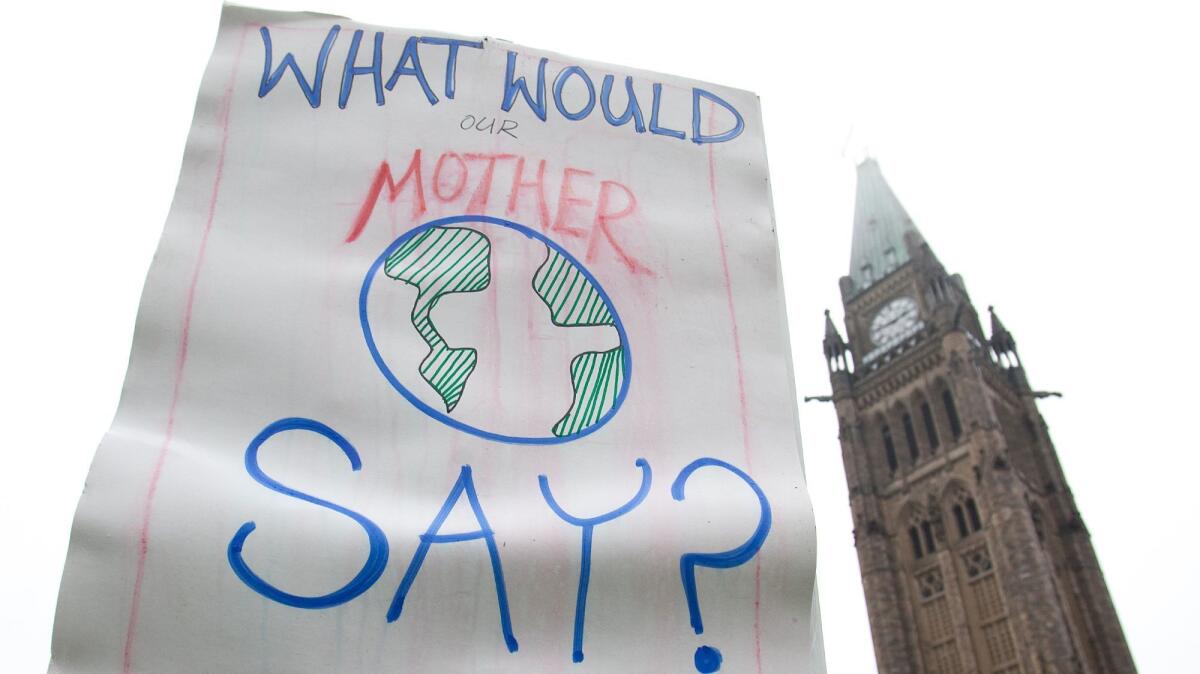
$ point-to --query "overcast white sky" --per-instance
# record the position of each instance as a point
(1047, 151)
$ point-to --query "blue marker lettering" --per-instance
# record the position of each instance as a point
(654, 127)
(585, 561)
(632, 108)
(311, 91)
(410, 55)
(376, 558)
(351, 71)
(718, 560)
(561, 81)
(451, 57)
(431, 536)
(514, 86)
(698, 137)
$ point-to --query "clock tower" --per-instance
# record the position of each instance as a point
(974, 557)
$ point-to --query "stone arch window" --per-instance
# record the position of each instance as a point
(952, 413)
(965, 511)
(889, 448)
(835, 355)
(960, 519)
(928, 426)
(973, 515)
(914, 538)
(943, 412)
(1004, 358)
(900, 413)
(910, 435)
(920, 533)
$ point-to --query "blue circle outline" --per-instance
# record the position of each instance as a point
(445, 418)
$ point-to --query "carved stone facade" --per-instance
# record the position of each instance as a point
(974, 557)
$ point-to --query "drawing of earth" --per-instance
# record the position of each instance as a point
(496, 330)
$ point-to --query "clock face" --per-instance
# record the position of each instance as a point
(895, 320)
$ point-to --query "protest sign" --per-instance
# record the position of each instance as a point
(455, 356)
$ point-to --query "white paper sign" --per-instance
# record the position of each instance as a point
(455, 356)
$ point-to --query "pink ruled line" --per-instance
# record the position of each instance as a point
(741, 375)
(180, 362)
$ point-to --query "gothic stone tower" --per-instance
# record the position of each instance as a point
(974, 558)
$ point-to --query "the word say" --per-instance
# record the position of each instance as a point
(464, 487)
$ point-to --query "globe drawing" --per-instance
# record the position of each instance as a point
(496, 330)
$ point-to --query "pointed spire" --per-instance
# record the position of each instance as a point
(880, 223)
(831, 331)
(1002, 340)
(835, 347)
(997, 326)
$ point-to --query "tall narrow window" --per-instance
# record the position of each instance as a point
(973, 515)
(927, 534)
(868, 274)
(915, 539)
(889, 259)
(910, 436)
(961, 520)
(889, 449)
(952, 414)
(930, 428)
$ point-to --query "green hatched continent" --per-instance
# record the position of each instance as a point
(596, 376)
(437, 262)
(572, 299)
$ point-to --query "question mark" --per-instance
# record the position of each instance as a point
(707, 658)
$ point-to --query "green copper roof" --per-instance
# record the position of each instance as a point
(879, 226)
